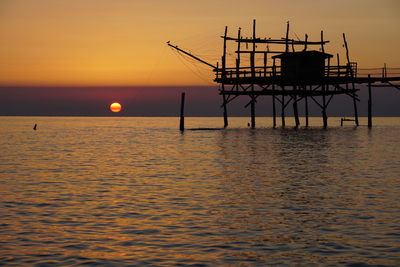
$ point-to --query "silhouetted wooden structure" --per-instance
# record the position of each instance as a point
(296, 73)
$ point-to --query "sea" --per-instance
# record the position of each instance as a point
(135, 191)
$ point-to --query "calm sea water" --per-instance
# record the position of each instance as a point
(134, 191)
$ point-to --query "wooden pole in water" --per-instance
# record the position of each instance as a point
(283, 108)
(369, 102)
(225, 111)
(273, 107)
(253, 113)
(296, 114)
(295, 111)
(306, 106)
(223, 76)
(352, 76)
(253, 75)
(182, 121)
(324, 117)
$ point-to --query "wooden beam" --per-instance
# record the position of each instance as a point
(274, 41)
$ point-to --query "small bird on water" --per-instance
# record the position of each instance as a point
(34, 127)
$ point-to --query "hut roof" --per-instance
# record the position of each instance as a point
(312, 53)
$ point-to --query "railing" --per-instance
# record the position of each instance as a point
(342, 71)
(379, 72)
(248, 72)
(349, 70)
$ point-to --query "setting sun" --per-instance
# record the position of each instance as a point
(115, 107)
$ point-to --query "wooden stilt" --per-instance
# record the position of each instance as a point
(324, 116)
(369, 103)
(283, 110)
(295, 111)
(182, 120)
(273, 108)
(306, 106)
(225, 112)
(253, 113)
(355, 106)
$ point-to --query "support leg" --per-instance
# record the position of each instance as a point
(253, 113)
(273, 108)
(283, 111)
(324, 117)
(296, 114)
(225, 112)
(306, 106)
(355, 107)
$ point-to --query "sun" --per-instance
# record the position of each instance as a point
(115, 107)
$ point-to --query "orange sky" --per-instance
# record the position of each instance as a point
(122, 42)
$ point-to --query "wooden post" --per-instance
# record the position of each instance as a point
(225, 112)
(253, 113)
(273, 68)
(324, 117)
(295, 112)
(273, 107)
(369, 102)
(305, 43)
(355, 105)
(252, 54)
(265, 64)
(223, 73)
(253, 75)
(384, 66)
(306, 106)
(182, 121)
(322, 42)
(283, 108)
(347, 48)
(352, 76)
(238, 56)
(287, 38)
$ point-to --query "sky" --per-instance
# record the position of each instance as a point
(64, 44)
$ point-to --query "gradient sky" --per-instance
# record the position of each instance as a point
(122, 42)
(115, 50)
